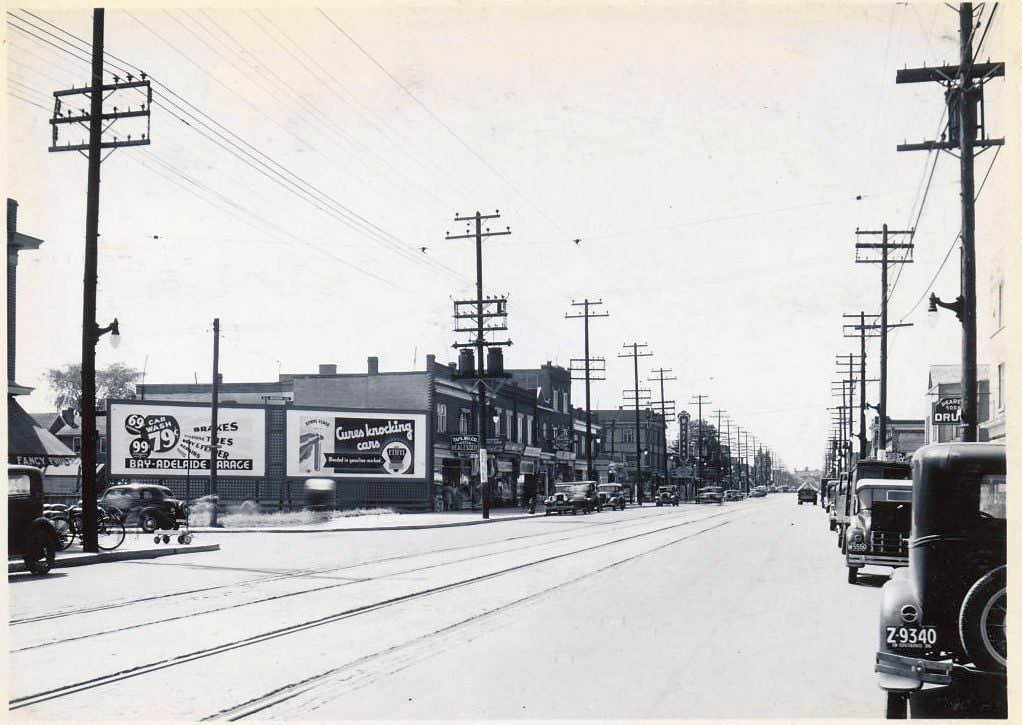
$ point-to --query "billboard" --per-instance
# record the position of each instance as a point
(173, 439)
(356, 444)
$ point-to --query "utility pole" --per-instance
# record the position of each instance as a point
(600, 365)
(699, 400)
(720, 448)
(964, 97)
(885, 246)
(635, 354)
(214, 428)
(730, 471)
(485, 308)
(863, 331)
(666, 412)
(97, 122)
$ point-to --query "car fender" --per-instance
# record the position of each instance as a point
(895, 594)
(44, 523)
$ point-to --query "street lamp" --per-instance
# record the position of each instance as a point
(115, 333)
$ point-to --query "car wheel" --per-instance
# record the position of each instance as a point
(148, 521)
(853, 575)
(546, 513)
(41, 552)
(982, 621)
(897, 706)
(799, 503)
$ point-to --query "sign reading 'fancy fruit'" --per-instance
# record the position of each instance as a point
(356, 444)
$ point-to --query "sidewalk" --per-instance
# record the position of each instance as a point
(134, 547)
(382, 522)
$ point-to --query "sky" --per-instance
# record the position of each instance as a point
(714, 160)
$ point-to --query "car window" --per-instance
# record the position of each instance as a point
(992, 503)
(18, 484)
(147, 495)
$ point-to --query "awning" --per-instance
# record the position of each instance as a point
(29, 444)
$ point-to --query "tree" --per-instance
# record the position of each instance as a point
(114, 381)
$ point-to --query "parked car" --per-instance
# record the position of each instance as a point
(572, 497)
(666, 496)
(880, 525)
(866, 468)
(145, 505)
(806, 494)
(942, 618)
(612, 495)
(733, 495)
(710, 494)
(757, 492)
(30, 535)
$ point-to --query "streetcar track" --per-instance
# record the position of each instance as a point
(96, 682)
(313, 590)
(291, 574)
(287, 692)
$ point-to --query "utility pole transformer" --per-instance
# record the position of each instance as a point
(495, 307)
(964, 96)
(600, 365)
(97, 122)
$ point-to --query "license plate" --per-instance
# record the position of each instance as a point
(911, 637)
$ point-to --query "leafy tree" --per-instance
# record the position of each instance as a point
(114, 381)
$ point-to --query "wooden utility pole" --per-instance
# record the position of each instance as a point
(97, 121)
(214, 427)
(964, 97)
(862, 252)
(720, 447)
(863, 331)
(638, 392)
(484, 308)
(591, 366)
(666, 412)
(699, 400)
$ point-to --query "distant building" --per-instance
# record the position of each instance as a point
(904, 436)
(618, 446)
(944, 385)
(994, 428)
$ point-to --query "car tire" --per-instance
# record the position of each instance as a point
(149, 520)
(853, 575)
(41, 553)
(982, 619)
(897, 706)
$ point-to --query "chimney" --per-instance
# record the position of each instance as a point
(327, 369)
(374, 365)
(430, 362)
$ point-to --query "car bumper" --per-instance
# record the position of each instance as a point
(854, 559)
(902, 672)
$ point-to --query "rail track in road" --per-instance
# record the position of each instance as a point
(299, 573)
(198, 654)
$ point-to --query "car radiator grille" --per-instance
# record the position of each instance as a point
(889, 543)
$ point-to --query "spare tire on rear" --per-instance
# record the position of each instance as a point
(981, 623)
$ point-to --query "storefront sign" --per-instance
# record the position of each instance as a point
(162, 439)
(495, 443)
(563, 442)
(947, 411)
(528, 466)
(532, 451)
(356, 444)
(41, 460)
(464, 443)
(505, 466)
(515, 448)
(565, 455)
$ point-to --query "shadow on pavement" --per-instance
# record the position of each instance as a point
(27, 577)
(970, 695)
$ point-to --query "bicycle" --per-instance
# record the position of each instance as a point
(70, 524)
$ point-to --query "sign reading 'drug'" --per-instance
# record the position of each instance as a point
(356, 444)
(174, 440)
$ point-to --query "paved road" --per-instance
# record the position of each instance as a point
(727, 611)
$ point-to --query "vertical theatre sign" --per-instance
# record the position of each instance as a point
(356, 444)
(162, 439)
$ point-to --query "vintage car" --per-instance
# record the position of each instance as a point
(880, 524)
(826, 493)
(942, 618)
(145, 505)
(572, 497)
(612, 495)
(733, 495)
(757, 492)
(710, 494)
(806, 494)
(667, 496)
(866, 468)
(30, 535)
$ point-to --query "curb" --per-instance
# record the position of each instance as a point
(108, 556)
(407, 527)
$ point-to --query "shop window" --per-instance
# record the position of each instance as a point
(441, 418)
(519, 437)
(102, 445)
(463, 421)
(509, 429)
(528, 430)
(76, 444)
(1000, 386)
